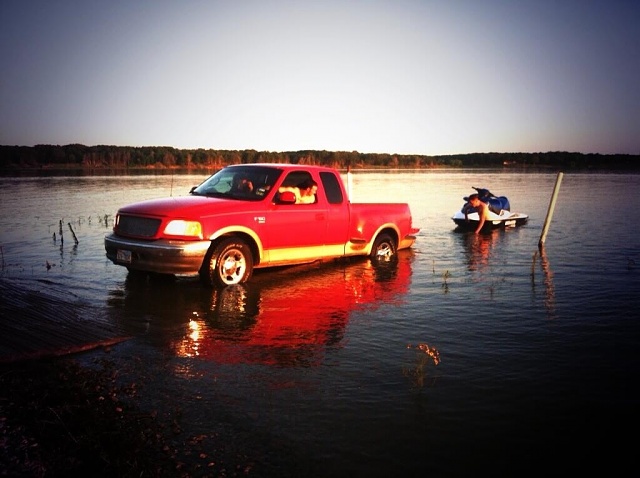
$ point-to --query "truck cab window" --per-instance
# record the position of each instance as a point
(302, 186)
(332, 188)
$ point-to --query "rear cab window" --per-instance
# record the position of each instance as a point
(332, 187)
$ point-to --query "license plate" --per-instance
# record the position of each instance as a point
(123, 256)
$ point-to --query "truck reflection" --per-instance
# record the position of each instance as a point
(282, 322)
(283, 318)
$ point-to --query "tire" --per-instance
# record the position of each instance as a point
(229, 262)
(384, 248)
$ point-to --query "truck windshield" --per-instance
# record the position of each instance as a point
(239, 182)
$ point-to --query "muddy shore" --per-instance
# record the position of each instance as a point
(61, 416)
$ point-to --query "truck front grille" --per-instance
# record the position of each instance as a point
(138, 226)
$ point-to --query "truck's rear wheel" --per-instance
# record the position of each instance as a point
(230, 262)
(384, 248)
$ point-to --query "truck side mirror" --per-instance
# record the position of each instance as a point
(287, 197)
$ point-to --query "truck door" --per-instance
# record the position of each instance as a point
(295, 231)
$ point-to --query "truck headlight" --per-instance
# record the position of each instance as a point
(182, 228)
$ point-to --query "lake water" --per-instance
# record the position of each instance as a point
(472, 354)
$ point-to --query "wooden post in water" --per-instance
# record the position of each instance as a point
(73, 233)
(552, 206)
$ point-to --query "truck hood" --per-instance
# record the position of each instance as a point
(184, 206)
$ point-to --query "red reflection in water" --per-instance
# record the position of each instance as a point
(291, 322)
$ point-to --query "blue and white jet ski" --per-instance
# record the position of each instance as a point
(500, 215)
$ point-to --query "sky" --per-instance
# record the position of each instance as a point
(398, 76)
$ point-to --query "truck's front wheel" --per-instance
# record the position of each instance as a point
(384, 248)
(228, 263)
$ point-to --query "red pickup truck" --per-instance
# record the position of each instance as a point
(252, 216)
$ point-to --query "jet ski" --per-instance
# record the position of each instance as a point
(500, 214)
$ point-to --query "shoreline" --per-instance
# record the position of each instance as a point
(72, 403)
(39, 320)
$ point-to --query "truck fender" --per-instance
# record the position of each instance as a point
(249, 236)
(390, 229)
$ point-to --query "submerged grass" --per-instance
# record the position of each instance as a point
(65, 414)
(57, 419)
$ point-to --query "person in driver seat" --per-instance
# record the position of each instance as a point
(242, 184)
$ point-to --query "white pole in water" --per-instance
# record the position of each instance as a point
(552, 206)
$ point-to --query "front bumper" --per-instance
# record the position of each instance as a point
(161, 256)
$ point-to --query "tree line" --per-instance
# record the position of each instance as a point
(124, 158)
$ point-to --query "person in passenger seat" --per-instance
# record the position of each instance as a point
(305, 192)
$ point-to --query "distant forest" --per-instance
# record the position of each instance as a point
(124, 158)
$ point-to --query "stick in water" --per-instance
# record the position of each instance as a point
(73, 233)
